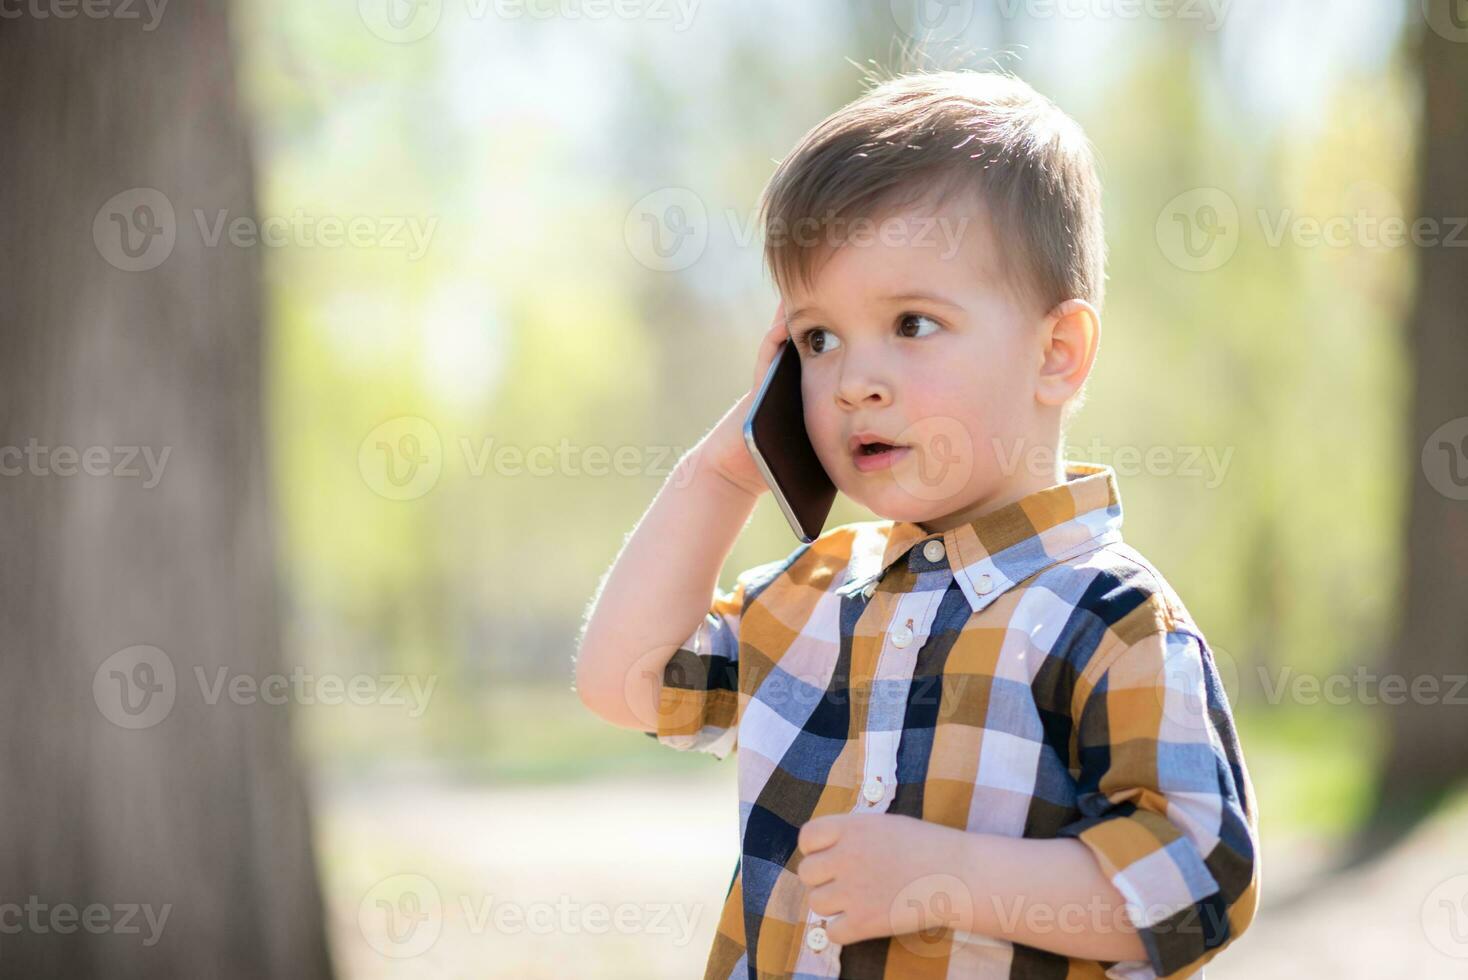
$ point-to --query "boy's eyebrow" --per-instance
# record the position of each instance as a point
(930, 297)
(895, 298)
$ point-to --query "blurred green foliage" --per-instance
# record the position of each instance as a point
(531, 321)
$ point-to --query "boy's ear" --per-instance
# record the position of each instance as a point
(1069, 341)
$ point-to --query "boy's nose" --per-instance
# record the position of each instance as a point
(862, 391)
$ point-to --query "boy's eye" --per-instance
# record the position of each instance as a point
(816, 340)
(918, 318)
(819, 340)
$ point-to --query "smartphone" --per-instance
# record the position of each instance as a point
(777, 439)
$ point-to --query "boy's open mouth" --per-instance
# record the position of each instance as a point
(870, 451)
(870, 444)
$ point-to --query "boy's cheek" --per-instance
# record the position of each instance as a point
(826, 437)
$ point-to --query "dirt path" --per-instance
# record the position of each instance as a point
(624, 879)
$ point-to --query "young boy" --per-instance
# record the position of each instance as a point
(981, 737)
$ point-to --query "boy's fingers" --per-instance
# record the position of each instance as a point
(777, 331)
(814, 869)
(818, 834)
(770, 346)
(777, 323)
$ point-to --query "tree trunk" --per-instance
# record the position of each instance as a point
(118, 807)
(1427, 755)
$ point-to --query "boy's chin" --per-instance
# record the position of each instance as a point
(892, 503)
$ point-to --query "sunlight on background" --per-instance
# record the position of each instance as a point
(518, 298)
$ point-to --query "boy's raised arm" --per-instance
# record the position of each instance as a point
(661, 584)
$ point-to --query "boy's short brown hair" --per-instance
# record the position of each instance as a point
(928, 132)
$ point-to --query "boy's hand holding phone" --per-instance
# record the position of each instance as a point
(762, 444)
(657, 592)
(724, 448)
(659, 587)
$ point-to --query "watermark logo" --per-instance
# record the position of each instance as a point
(400, 21)
(1198, 231)
(135, 688)
(940, 461)
(1445, 917)
(402, 458)
(401, 916)
(939, 902)
(1182, 676)
(1447, 18)
(667, 230)
(648, 674)
(1445, 459)
(135, 230)
(932, 20)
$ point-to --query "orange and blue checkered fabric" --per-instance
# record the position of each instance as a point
(1025, 674)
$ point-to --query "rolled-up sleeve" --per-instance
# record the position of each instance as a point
(1166, 801)
(699, 700)
(698, 704)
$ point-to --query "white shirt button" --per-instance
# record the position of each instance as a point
(901, 636)
(984, 583)
(933, 550)
(872, 790)
(869, 589)
(816, 939)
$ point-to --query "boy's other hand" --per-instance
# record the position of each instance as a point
(873, 875)
(723, 448)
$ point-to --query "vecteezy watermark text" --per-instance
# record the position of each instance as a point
(1209, 12)
(137, 229)
(89, 9)
(668, 230)
(406, 21)
(1207, 463)
(137, 687)
(36, 459)
(403, 458)
(1362, 685)
(121, 918)
(403, 916)
(1200, 229)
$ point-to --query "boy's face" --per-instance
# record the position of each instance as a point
(911, 335)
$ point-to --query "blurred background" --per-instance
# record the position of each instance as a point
(344, 342)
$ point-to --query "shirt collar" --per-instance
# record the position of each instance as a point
(993, 552)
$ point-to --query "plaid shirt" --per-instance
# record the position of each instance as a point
(1026, 674)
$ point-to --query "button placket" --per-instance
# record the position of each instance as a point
(914, 614)
(821, 956)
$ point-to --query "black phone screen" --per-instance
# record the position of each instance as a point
(777, 439)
